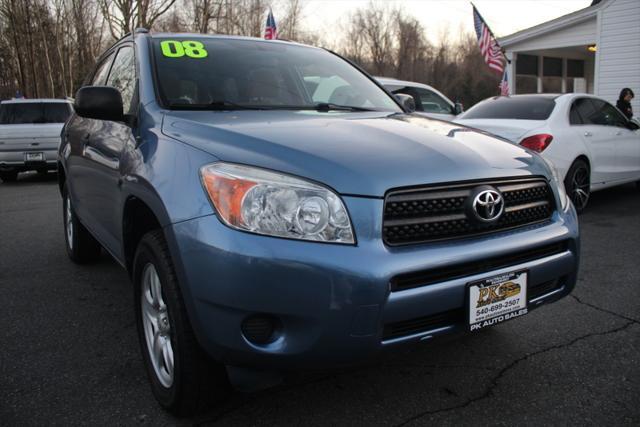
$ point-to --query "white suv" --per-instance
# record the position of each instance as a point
(30, 134)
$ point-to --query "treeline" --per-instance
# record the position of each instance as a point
(47, 47)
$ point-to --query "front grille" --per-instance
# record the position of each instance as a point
(427, 277)
(437, 213)
(417, 325)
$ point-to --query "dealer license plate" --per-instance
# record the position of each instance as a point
(497, 299)
(33, 157)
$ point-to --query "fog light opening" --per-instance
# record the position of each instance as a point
(261, 329)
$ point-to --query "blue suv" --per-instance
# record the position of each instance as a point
(277, 209)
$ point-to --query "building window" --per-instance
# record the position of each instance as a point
(551, 75)
(526, 74)
(575, 70)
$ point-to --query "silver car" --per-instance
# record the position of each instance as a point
(30, 134)
(428, 101)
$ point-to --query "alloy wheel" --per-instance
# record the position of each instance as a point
(157, 328)
(69, 222)
(580, 188)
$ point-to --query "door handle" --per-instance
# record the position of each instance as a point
(587, 133)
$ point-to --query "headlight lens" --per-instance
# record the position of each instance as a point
(562, 192)
(274, 204)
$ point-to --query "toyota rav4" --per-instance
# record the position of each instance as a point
(277, 209)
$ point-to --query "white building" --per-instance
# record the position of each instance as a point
(594, 50)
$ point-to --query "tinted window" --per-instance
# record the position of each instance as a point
(584, 109)
(608, 114)
(522, 107)
(574, 116)
(34, 112)
(100, 76)
(259, 74)
(123, 76)
(56, 113)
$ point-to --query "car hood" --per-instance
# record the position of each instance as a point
(362, 154)
(510, 129)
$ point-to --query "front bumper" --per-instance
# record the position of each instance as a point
(335, 302)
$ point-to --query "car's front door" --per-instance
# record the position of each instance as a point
(625, 140)
(587, 124)
(105, 142)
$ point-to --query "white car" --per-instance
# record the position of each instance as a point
(590, 142)
(30, 134)
(429, 101)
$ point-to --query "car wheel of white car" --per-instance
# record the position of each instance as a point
(578, 184)
(183, 378)
(82, 248)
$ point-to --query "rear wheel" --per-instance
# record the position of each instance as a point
(183, 379)
(578, 184)
(82, 248)
(9, 176)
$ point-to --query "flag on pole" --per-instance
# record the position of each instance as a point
(504, 83)
(489, 46)
(270, 31)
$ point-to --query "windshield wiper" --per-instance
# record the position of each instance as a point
(219, 105)
(327, 106)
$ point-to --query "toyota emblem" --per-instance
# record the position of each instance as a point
(488, 205)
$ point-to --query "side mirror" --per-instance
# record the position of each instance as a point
(407, 102)
(100, 103)
(458, 108)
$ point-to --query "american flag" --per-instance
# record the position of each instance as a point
(489, 47)
(504, 83)
(271, 31)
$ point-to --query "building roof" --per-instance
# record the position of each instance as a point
(572, 18)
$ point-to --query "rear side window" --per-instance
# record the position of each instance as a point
(34, 112)
(523, 108)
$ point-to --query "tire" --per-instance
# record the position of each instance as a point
(81, 246)
(9, 176)
(578, 184)
(183, 378)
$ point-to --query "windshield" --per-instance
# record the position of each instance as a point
(521, 107)
(249, 74)
(34, 112)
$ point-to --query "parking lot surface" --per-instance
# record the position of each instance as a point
(69, 352)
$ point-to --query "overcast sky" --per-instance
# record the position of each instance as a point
(503, 16)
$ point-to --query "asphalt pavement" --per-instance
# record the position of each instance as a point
(69, 353)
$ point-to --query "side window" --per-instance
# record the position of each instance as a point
(100, 76)
(609, 115)
(123, 76)
(574, 116)
(587, 112)
(433, 103)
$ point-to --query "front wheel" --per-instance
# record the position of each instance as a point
(578, 184)
(183, 379)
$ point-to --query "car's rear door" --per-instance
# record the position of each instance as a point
(103, 151)
(587, 123)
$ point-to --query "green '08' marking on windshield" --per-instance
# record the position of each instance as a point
(176, 49)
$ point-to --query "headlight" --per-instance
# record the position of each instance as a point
(275, 204)
(562, 192)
